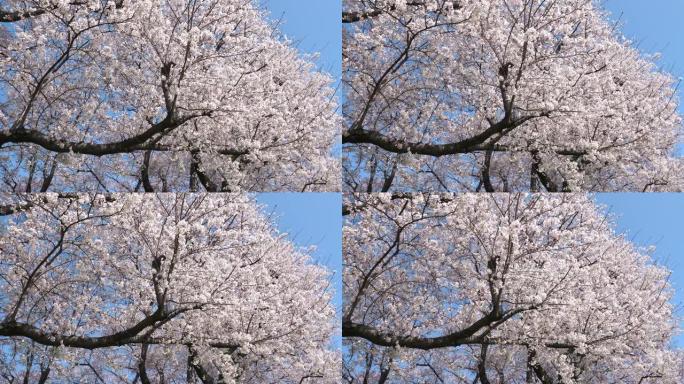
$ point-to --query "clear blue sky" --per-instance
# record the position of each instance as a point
(654, 219)
(315, 26)
(312, 219)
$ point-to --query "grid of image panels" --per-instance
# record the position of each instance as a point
(341, 191)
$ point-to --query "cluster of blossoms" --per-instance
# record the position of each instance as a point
(502, 95)
(159, 96)
(509, 288)
(158, 288)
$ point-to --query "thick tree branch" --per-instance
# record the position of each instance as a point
(389, 179)
(145, 172)
(147, 140)
(48, 175)
(477, 333)
(130, 335)
(472, 144)
(142, 141)
(135, 334)
(385, 372)
(387, 339)
(44, 375)
(482, 365)
(142, 369)
(486, 172)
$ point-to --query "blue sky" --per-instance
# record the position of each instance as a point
(312, 219)
(315, 26)
(654, 219)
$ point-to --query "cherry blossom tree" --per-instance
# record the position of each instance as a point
(502, 95)
(172, 95)
(158, 288)
(500, 288)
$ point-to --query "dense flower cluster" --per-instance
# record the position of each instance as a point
(511, 288)
(159, 95)
(164, 288)
(502, 95)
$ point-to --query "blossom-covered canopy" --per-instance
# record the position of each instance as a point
(509, 288)
(158, 287)
(502, 95)
(159, 96)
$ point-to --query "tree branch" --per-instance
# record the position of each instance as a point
(145, 172)
(486, 172)
(127, 336)
(142, 141)
(482, 365)
(132, 335)
(142, 369)
(471, 144)
(387, 339)
(146, 141)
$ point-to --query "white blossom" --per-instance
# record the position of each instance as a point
(503, 95)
